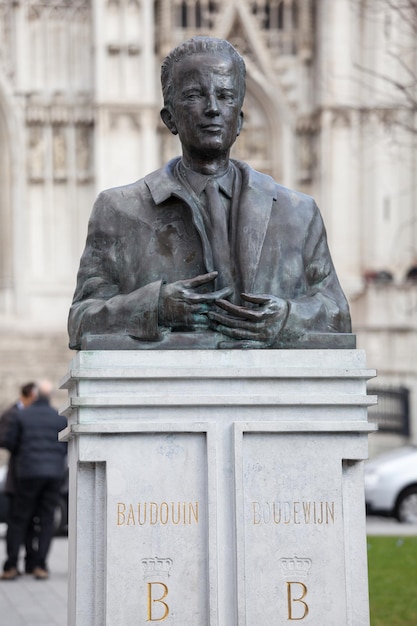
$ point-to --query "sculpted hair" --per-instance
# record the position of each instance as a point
(197, 45)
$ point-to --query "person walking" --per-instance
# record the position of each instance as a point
(28, 393)
(32, 436)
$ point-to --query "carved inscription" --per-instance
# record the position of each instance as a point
(157, 513)
(297, 607)
(157, 591)
(292, 569)
(158, 609)
(293, 512)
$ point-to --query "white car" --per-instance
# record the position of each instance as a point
(391, 484)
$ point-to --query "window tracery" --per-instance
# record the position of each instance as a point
(280, 23)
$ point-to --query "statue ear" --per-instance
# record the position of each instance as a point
(168, 120)
(240, 123)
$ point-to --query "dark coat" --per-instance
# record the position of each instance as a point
(10, 486)
(147, 233)
(32, 438)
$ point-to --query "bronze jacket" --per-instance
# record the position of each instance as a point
(146, 233)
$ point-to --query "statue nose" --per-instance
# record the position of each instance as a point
(212, 108)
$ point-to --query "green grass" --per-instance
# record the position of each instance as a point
(392, 564)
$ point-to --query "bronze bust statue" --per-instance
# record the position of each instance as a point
(206, 252)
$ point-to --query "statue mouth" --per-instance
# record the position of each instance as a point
(212, 127)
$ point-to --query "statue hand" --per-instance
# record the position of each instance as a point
(181, 306)
(252, 327)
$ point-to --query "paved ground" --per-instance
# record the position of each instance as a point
(29, 602)
(389, 527)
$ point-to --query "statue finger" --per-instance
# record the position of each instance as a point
(210, 297)
(201, 279)
(198, 308)
(255, 298)
(240, 311)
(233, 322)
(237, 333)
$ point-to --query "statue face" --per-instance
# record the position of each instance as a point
(206, 111)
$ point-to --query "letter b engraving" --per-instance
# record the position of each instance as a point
(297, 608)
(161, 613)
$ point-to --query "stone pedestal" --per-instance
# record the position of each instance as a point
(219, 488)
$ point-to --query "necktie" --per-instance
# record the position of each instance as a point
(218, 235)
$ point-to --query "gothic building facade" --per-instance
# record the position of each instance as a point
(79, 112)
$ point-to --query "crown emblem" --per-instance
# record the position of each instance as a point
(156, 566)
(295, 566)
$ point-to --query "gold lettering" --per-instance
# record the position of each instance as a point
(164, 513)
(121, 508)
(306, 510)
(179, 512)
(157, 513)
(130, 516)
(193, 511)
(291, 601)
(144, 514)
(287, 513)
(256, 513)
(277, 521)
(293, 512)
(160, 600)
(153, 508)
(320, 521)
(329, 512)
(296, 520)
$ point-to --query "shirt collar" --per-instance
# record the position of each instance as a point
(163, 183)
(198, 181)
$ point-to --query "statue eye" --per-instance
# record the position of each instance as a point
(193, 95)
(225, 95)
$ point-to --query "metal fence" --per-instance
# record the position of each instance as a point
(392, 413)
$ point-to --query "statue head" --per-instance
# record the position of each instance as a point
(200, 45)
(203, 82)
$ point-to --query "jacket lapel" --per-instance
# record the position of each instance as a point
(163, 184)
(257, 196)
(253, 212)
